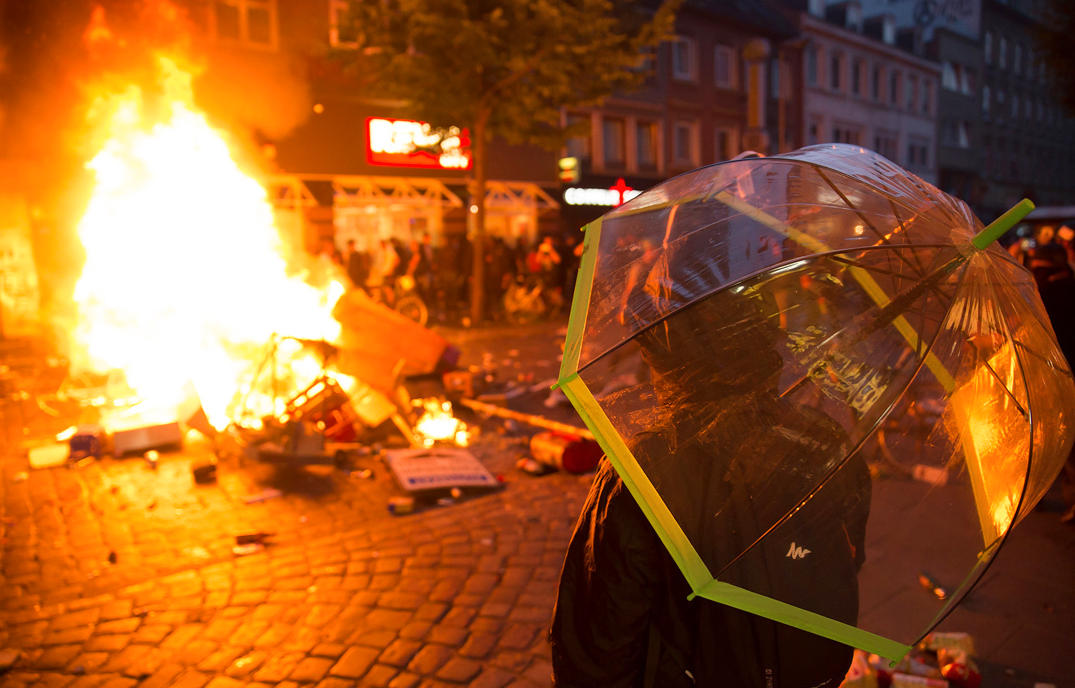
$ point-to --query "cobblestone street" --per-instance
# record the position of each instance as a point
(118, 574)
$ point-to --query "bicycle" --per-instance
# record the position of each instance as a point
(402, 298)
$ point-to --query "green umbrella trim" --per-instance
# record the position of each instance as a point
(580, 301)
(695, 571)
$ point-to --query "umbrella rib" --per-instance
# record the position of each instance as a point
(1023, 412)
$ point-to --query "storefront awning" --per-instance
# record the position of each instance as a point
(518, 195)
(367, 191)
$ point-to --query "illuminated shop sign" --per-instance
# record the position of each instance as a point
(406, 143)
(618, 194)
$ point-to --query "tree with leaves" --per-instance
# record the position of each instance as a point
(503, 68)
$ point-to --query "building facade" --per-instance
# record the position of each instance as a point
(348, 164)
(866, 84)
(714, 92)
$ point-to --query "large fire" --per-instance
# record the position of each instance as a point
(185, 284)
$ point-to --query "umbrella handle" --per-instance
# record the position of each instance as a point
(1002, 224)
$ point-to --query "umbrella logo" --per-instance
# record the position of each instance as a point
(796, 552)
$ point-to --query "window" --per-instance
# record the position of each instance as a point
(894, 88)
(918, 153)
(683, 59)
(926, 101)
(724, 66)
(911, 91)
(987, 47)
(836, 69)
(846, 133)
(252, 22)
(813, 133)
(985, 101)
(1002, 53)
(966, 82)
(857, 69)
(1015, 106)
(875, 83)
(949, 79)
(342, 33)
(612, 138)
(646, 140)
(578, 145)
(1017, 58)
(885, 143)
(811, 65)
(684, 144)
(725, 143)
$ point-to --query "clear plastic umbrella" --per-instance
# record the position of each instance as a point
(741, 333)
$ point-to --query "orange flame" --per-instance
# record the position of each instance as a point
(185, 282)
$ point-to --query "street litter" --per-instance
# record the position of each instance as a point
(266, 494)
(49, 455)
(438, 468)
(569, 453)
(204, 473)
(401, 505)
(927, 581)
(940, 660)
(528, 418)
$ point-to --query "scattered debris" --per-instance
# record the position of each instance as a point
(401, 505)
(112, 558)
(266, 494)
(139, 439)
(49, 455)
(251, 538)
(929, 583)
(570, 453)
(244, 550)
(205, 473)
(528, 418)
(437, 468)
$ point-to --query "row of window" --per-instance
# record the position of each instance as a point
(917, 151)
(1005, 106)
(882, 84)
(635, 145)
(1032, 66)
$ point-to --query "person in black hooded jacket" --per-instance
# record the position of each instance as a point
(722, 445)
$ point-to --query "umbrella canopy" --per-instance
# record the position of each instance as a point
(740, 333)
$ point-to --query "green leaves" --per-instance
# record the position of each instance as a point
(517, 62)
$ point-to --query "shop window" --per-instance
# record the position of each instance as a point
(612, 139)
(683, 59)
(724, 66)
(646, 140)
(251, 22)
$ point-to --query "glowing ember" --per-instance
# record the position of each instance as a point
(437, 424)
(184, 281)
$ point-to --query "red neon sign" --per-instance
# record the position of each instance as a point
(407, 143)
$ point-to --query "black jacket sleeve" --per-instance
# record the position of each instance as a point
(608, 587)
